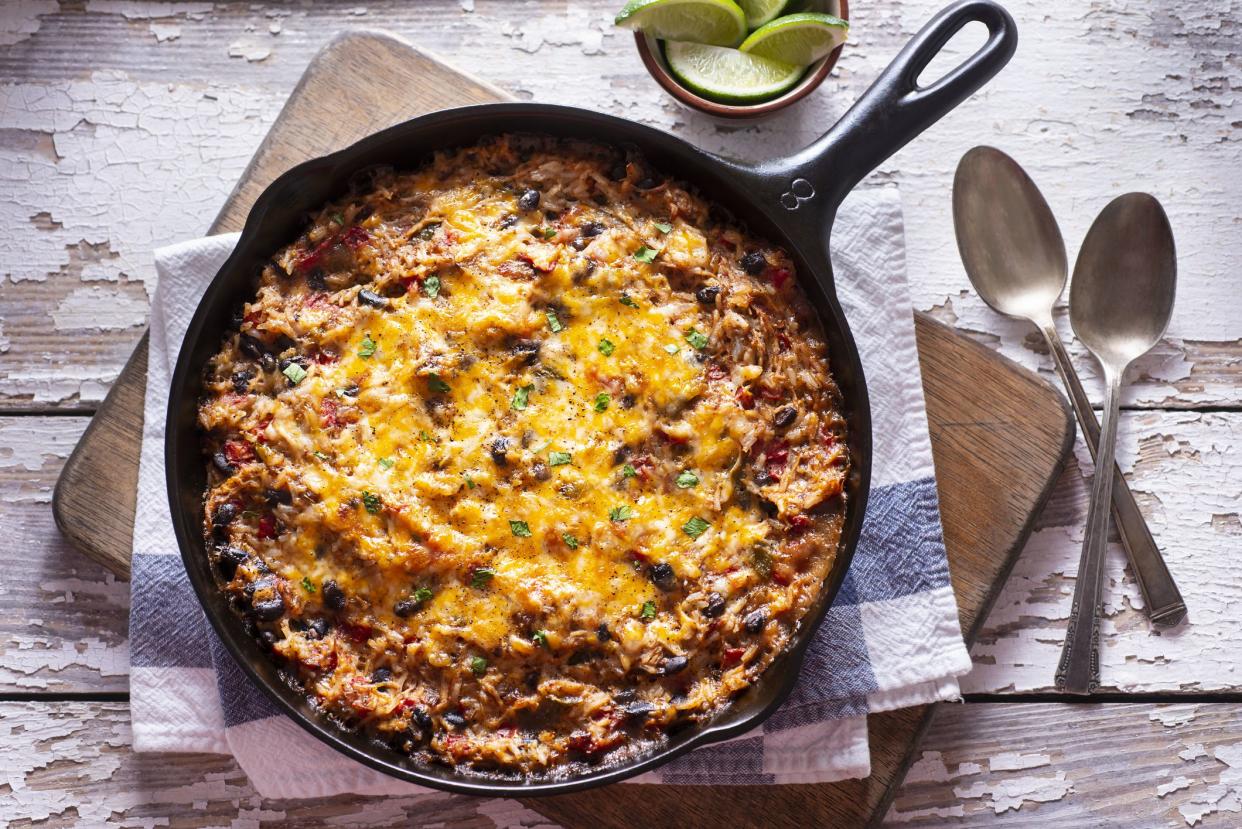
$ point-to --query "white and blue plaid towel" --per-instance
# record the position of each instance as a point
(891, 639)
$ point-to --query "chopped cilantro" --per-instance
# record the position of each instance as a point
(671, 349)
(559, 458)
(323, 456)
(629, 471)
(540, 638)
(295, 373)
(697, 339)
(571, 541)
(482, 576)
(601, 401)
(648, 612)
(546, 232)
(426, 438)
(628, 301)
(368, 347)
(645, 254)
(386, 463)
(372, 502)
(478, 665)
(520, 529)
(338, 218)
(606, 347)
(695, 527)
(687, 479)
(621, 513)
(436, 383)
(470, 484)
(553, 322)
(431, 286)
(422, 595)
(663, 227)
(521, 397)
(307, 585)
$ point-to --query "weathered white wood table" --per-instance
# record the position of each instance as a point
(124, 124)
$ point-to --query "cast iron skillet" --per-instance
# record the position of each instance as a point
(791, 201)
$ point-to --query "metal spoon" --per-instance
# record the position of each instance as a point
(1015, 258)
(1120, 302)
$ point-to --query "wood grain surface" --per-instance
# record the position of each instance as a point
(998, 442)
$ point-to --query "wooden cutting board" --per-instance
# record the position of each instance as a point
(998, 438)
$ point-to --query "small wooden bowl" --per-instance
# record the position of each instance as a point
(653, 58)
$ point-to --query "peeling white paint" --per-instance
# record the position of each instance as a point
(250, 50)
(135, 10)
(1225, 795)
(1016, 761)
(1007, 793)
(1171, 716)
(1193, 752)
(1175, 785)
(19, 19)
(97, 308)
(165, 31)
(26, 444)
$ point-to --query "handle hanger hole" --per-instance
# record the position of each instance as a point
(968, 40)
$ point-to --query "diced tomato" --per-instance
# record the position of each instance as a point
(783, 340)
(253, 317)
(324, 357)
(328, 413)
(781, 575)
(779, 277)
(355, 237)
(799, 522)
(637, 555)
(582, 742)
(732, 656)
(777, 457)
(715, 371)
(238, 452)
(745, 398)
(267, 526)
(358, 633)
(258, 430)
(329, 662)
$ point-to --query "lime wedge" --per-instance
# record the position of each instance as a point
(718, 22)
(801, 38)
(728, 75)
(759, 12)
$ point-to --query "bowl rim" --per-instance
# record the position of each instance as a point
(653, 59)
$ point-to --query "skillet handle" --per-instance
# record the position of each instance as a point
(895, 108)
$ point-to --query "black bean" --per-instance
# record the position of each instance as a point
(639, 710)
(754, 263)
(420, 717)
(228, 559)
(454, 720)
(296, 359)
(269, 610)
(621, 454)
(551, 215)
(261, 566)
(763, 477)
(319, 627)
(270, 637)
(579, 244)
(529, 199)
(628, 401)
(755, 620)
(674, 664)
(590, 229)
(333, 595)
(224, 514)
(528, 350)
(619, 172)
(581, 656)
(267, 362)
(317, 280)
(625, 695)
(252, 347)
(707, 294)
(363, 213)
(508, 221)
(715, 606)
(540, 471)
(241, 381)
(371, 298)
(278, 496)
(647, 183)
(381, 675)
(406, 607)
(662, 576)
(498, 447)
(351, 390)
(784, 417)
(602, 632)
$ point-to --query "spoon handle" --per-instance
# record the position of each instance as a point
(1164, 602)
(1079, 671)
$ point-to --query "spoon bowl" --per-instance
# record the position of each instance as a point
(1007, 236)
(1124, 281)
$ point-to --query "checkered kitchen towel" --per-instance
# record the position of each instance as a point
(891, 639)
